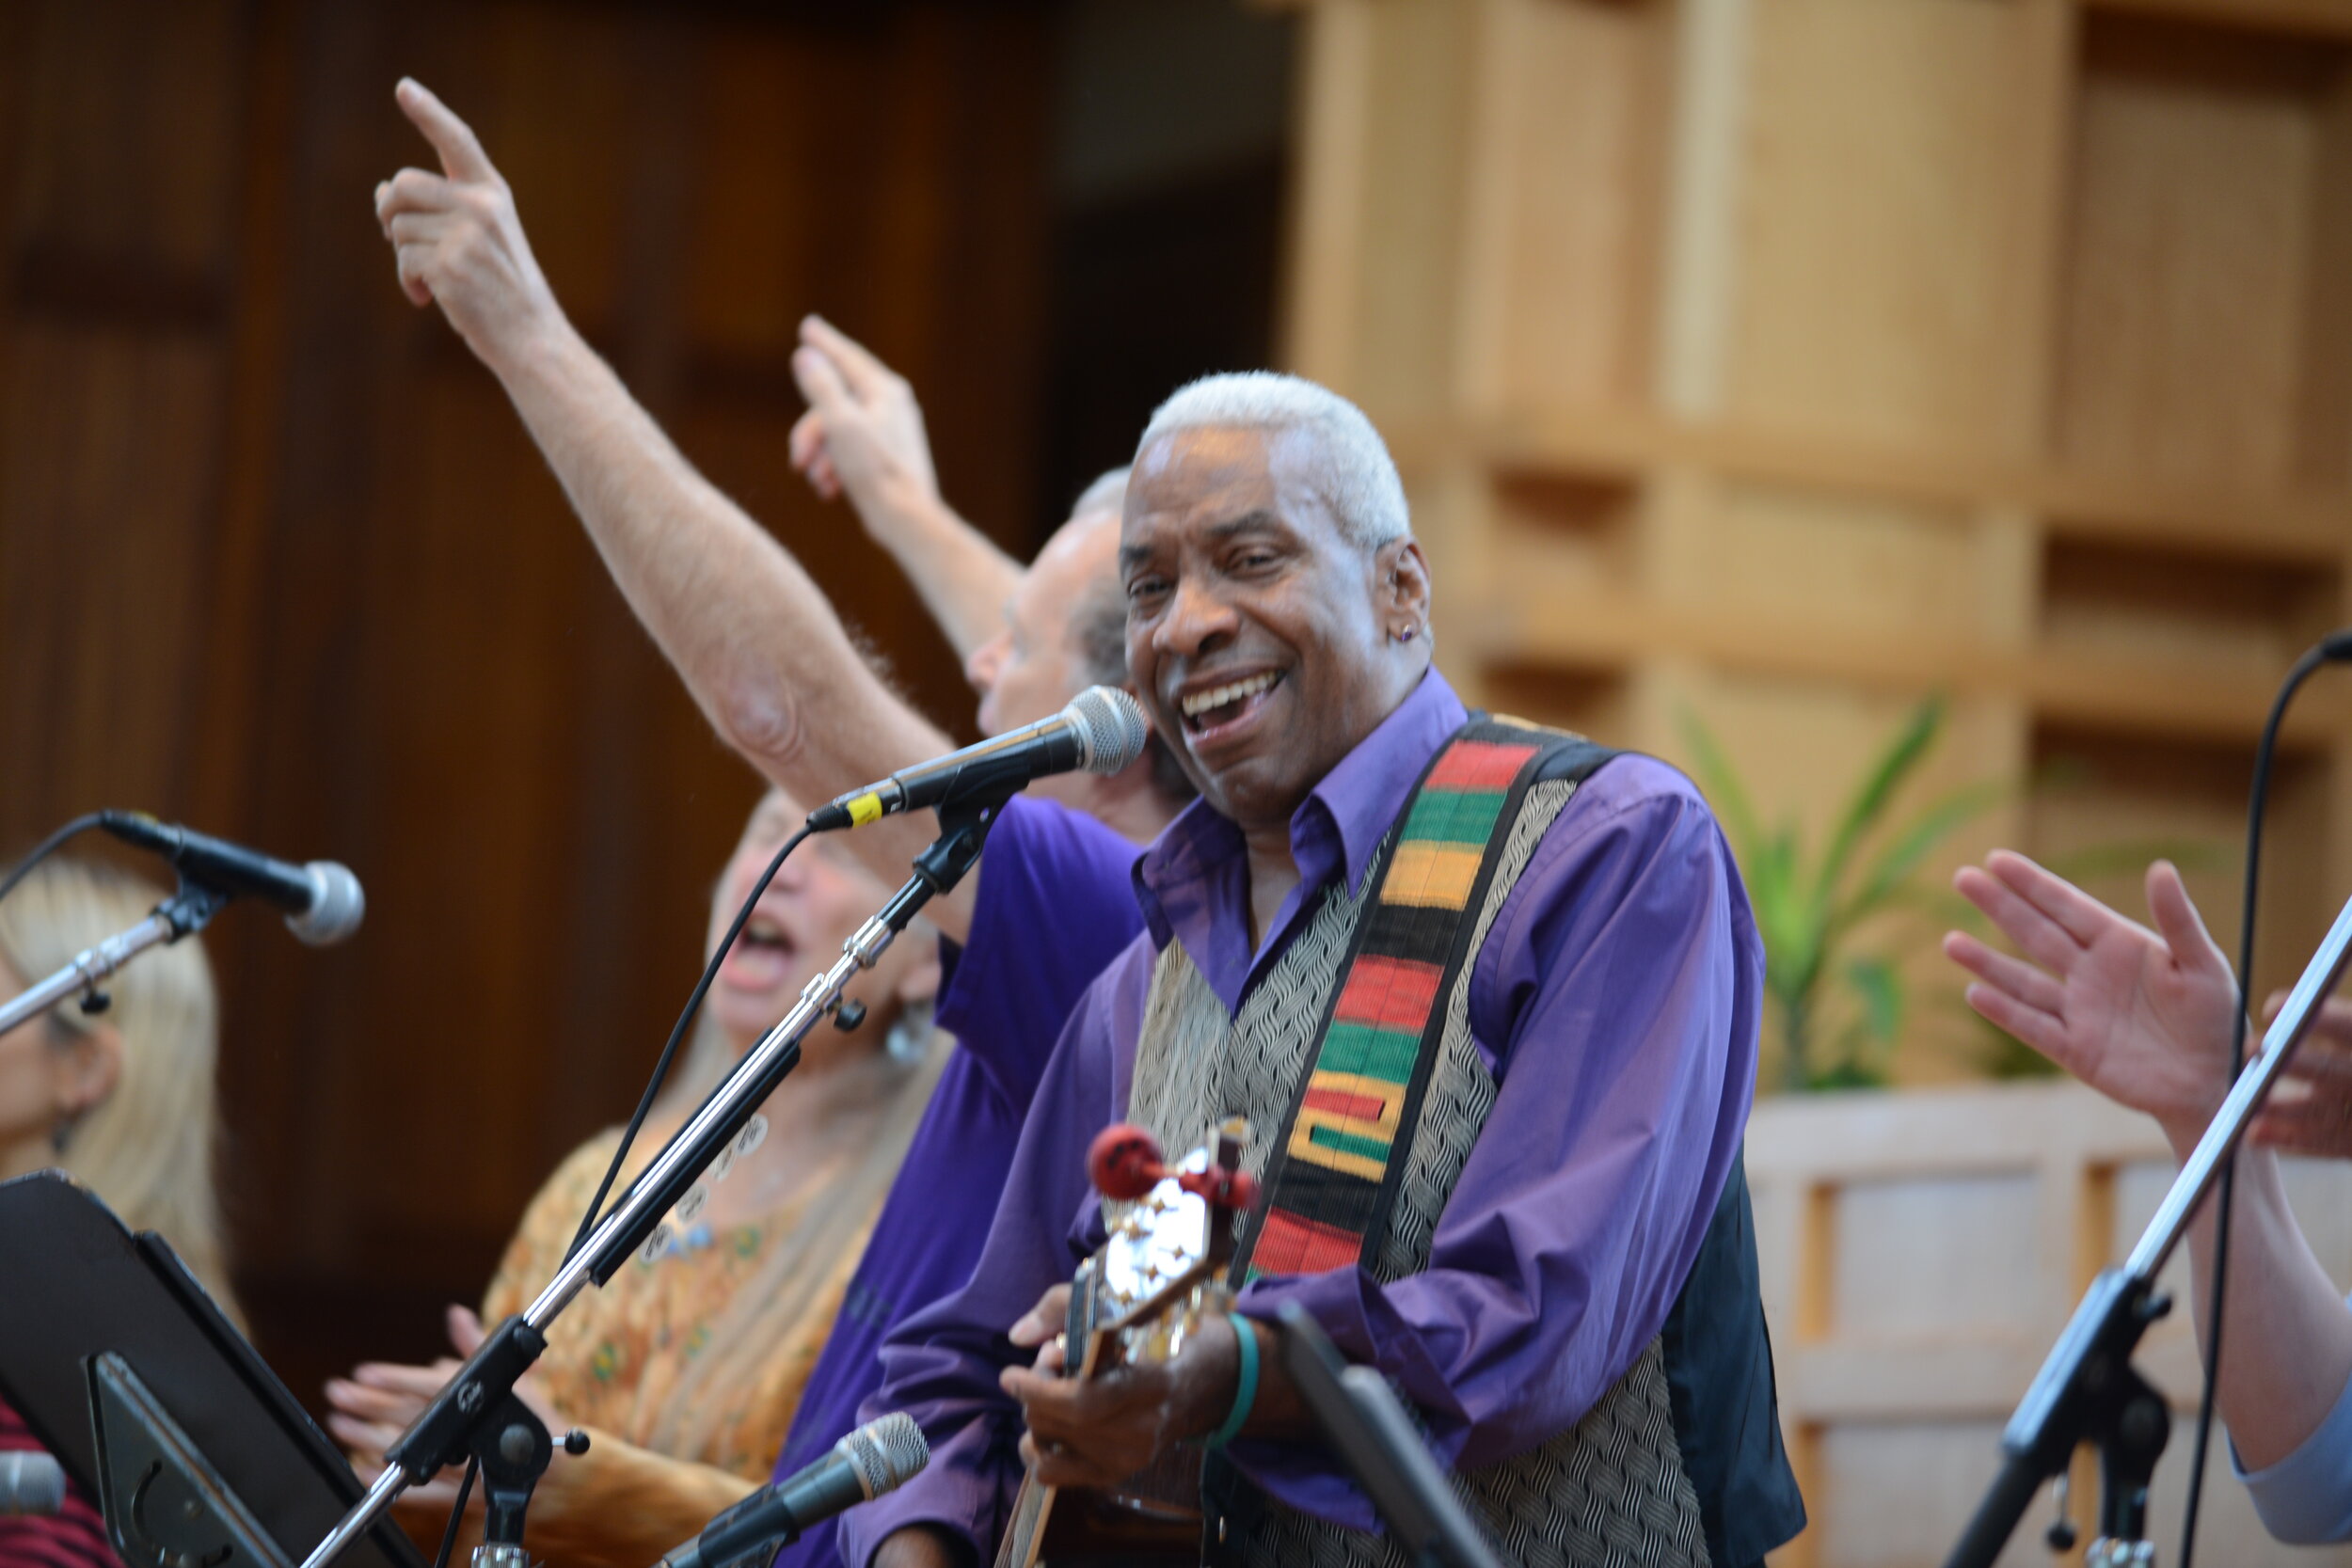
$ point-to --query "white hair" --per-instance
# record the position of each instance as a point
(1107, 493)
(1352, 469)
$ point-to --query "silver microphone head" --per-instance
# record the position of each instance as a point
(337, 906)
(1111, 728)
(32, 1485)
(885, 1453)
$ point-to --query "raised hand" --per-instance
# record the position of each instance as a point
(2141, 1016)
(457, 240)
(863, 433)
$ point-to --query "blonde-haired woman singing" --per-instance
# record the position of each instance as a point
(123, 1099)
(687, 1366)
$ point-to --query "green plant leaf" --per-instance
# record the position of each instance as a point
(1880, 987)
(1885, 776)
(1723, 785)
(1895, 866)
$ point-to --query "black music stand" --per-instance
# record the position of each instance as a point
(155, 1404)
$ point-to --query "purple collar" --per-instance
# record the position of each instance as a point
(1193, 882)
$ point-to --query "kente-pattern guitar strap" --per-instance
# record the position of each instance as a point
(1332, 1180)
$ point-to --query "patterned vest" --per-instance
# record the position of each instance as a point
(1616, 1487)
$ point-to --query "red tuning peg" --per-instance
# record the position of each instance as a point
(1124, 1162)
(1224, 1189)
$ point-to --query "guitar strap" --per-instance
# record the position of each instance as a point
(1332, 1180)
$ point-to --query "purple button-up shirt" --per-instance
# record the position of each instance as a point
(1616, 998)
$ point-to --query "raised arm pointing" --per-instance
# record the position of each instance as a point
(758, 644)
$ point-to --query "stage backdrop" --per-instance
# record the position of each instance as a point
(277, 558)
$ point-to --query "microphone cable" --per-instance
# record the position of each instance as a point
(677, 1035)
(637, 1120)
(2336, 646)
(47, 847)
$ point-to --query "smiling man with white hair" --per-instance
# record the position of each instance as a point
(1487, 995)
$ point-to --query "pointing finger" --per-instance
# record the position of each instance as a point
(462, 157)
(819, 379)
(865, 374)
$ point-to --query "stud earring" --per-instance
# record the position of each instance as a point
(1405, 634)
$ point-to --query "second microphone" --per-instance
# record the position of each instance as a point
(1101, 731)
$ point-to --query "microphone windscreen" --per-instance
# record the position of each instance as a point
(886, 1453)
(32, 1485)
(337, 906)
(1111, 728)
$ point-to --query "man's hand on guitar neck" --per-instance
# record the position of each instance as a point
(1099, 1431)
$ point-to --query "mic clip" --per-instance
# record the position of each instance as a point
(962, 830)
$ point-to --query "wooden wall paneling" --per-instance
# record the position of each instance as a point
(1703, 169)
(1410, 254)
(1882, 221)
(276, 554)
(2318, 18)
(2044, 101)
(1560, 222)
(2197, 159)
(253, 421)
(114, 371)
(2324, 444)
(1331, 135)
(1802, 556)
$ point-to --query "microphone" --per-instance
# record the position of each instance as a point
(879, 1457)
(31, 1483)
(322, 901)
(1101, 731)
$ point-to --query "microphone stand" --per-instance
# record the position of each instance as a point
(185, 914)
(2088, 1391)
(477, 1411)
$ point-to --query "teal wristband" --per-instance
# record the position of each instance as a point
(1245, 1391)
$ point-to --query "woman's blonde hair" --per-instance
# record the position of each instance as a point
(148, 1148)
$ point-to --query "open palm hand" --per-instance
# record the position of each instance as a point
(2141, 1016)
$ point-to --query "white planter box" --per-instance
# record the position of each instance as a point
(1920, 1251)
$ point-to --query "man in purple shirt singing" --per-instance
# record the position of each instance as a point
(1560, 1279)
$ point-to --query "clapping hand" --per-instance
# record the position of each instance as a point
(2142, 1016)
(2310, 1109)
(380, 1400)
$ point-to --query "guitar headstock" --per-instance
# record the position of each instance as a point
(1163, 1264)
